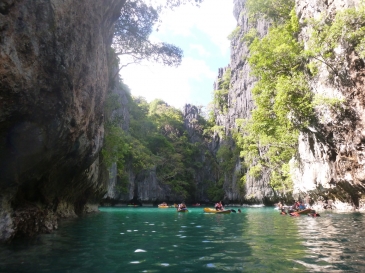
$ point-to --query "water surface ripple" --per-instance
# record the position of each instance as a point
(162, 240)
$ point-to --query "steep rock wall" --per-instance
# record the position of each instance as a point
(54, 75)
(240, 104)
(330, 165)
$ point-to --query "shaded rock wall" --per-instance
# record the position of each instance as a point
(54, 75)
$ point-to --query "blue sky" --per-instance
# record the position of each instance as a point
(202, 34)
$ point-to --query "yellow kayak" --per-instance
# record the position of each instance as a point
(163, 206)
(209, 210)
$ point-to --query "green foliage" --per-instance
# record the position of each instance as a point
(227, 156)
(220, 99)
(255, 170)
(122, 183)
(282, 95)
(333, 103)
(215, 129)
(215, 190)
(283, 102)
(234, 33)
(250, 36)
(115, 148)
(281, 179)
(134, 27)
(276, 10)
(156, 139)
(347, 29)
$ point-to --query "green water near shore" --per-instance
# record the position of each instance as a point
(162, 240)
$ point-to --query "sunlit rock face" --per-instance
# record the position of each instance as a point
(240, 104)
(54, 75)
(331, 161)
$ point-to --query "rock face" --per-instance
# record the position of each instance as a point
(331, 156)
(54, 76)
(204, 175)
(330, 165)
(240, 103)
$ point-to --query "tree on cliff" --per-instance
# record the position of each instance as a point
(133, 30)
(278, 11)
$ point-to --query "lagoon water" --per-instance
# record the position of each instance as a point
(161, 240)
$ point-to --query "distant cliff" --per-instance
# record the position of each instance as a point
(147, 186)
(54, 76)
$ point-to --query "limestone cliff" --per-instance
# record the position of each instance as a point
(54, 76)
(331, 165)
(239, 105)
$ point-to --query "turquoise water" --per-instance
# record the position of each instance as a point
(162, 240)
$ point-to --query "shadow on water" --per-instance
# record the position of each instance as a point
(162, 240)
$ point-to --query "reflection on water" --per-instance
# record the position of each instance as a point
(156, 240)
(334, 242)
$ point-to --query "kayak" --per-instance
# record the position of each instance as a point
(305, 211)
(209, 210)
(163, 206)
(182, 210)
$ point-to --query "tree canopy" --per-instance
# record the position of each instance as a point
(134, 27)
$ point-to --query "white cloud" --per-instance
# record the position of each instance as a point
(201, 49)
(175, 85)
(214, 17)
(169, 84)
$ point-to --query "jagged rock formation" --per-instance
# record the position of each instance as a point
(239, 105)
(331, 157)
(205, 175)
(54, 76)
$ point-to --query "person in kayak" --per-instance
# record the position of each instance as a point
(181, 206)
(219, 206)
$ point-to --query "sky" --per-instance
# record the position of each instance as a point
(201, 32)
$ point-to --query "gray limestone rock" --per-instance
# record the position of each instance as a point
(54, 76)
